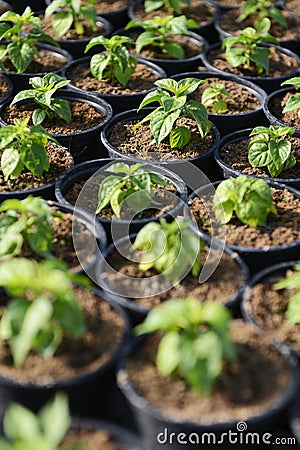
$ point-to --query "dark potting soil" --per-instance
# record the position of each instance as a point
(221, 287)
(141, 80)
(228, 23)
(4, 88)
(268, 308)
(106, 6)
(243, 390)
(60, 162)
(242, 100)
(280, 64)
(84, 117)
(47, 62)
(276, 106)
(139, 142)
(200, 11)
(105, 329)
(164, 196)
(90, 439)
(236, 156)
(281, 229)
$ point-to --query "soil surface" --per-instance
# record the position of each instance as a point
(280, 64)
(228, 23)
(243, 390)
(91, 440)
(4, 88)
(142, 80)
(47, 62)
(221, 287)
(200, 11)
(84, 117)
(235, 155)
(242, 100)
(139, 142)
(105, 329)
(276, 105)
(269, 306)
(281, 229)
(293, 5)
(105, 6)
(60, 161)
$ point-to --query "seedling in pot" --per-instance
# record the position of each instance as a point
(195, 345)
(70, 14)
(45, 430)
(270, 148)
(261, 9)
(215, 96)
(172, 6)
(42, 308)
(42, 93)
(26, 223)
(294, 100)
(159, 31)
(172, 249)
(24, 147)
(133, 184)
(250, 199)
(115, 62)
(245, 50)
(163, 120)
(292, 281)
(20, 47)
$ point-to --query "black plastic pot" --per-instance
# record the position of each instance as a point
(227, 123)
(173, 66)
(119, 102)
(275, 270)
(122, 249)
(82, 142)
(267, 83)
(47, 191)
(91, 171)
(255, 258)
(9, 92)
(88, 392)
(87, 247)
(228, 171)
(204, 162)
(206, 30)
(118, 18)
(285, 5)
(21, 80)
(280, 93)
(161, 430)
(19, 6)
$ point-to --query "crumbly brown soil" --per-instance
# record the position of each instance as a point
(221, 287)
(244, 390)
(105, 328)
(228, 23)
(268, 308)
(232, 3)
(90, 439)
(48, 62)
(84, 117)
(294, 6)
(276, 106)
(141, 80)
(105, 6)
(140, 143)
(241, 101)
(282, 229)
(60, 161)
(280, 64)
(165, 196)
(200, 12)
(4, 88)
(236, 156)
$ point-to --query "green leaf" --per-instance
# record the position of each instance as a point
(107, 187)
(20, 424)
(116, 200)
(162, 124)
(38, 116)
(179, 137)
(144, 39)
(62, 22)
(54, 419)
(10, 163)
(152, 5)
(168, 354)
(292, 103)
(20, 56)
(174, 49)
(61, 108)
(69, 315)
(98, 64)
(35, 158)
(260, 57)
(258, 154)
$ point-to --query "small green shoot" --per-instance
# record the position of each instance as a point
(249, 198)
(196, 343)
(292, 281)
(42, 93)
(172, 6)
(174, 104)
(215, 96)
(261, 9)
(294, 100)
(270, 148)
